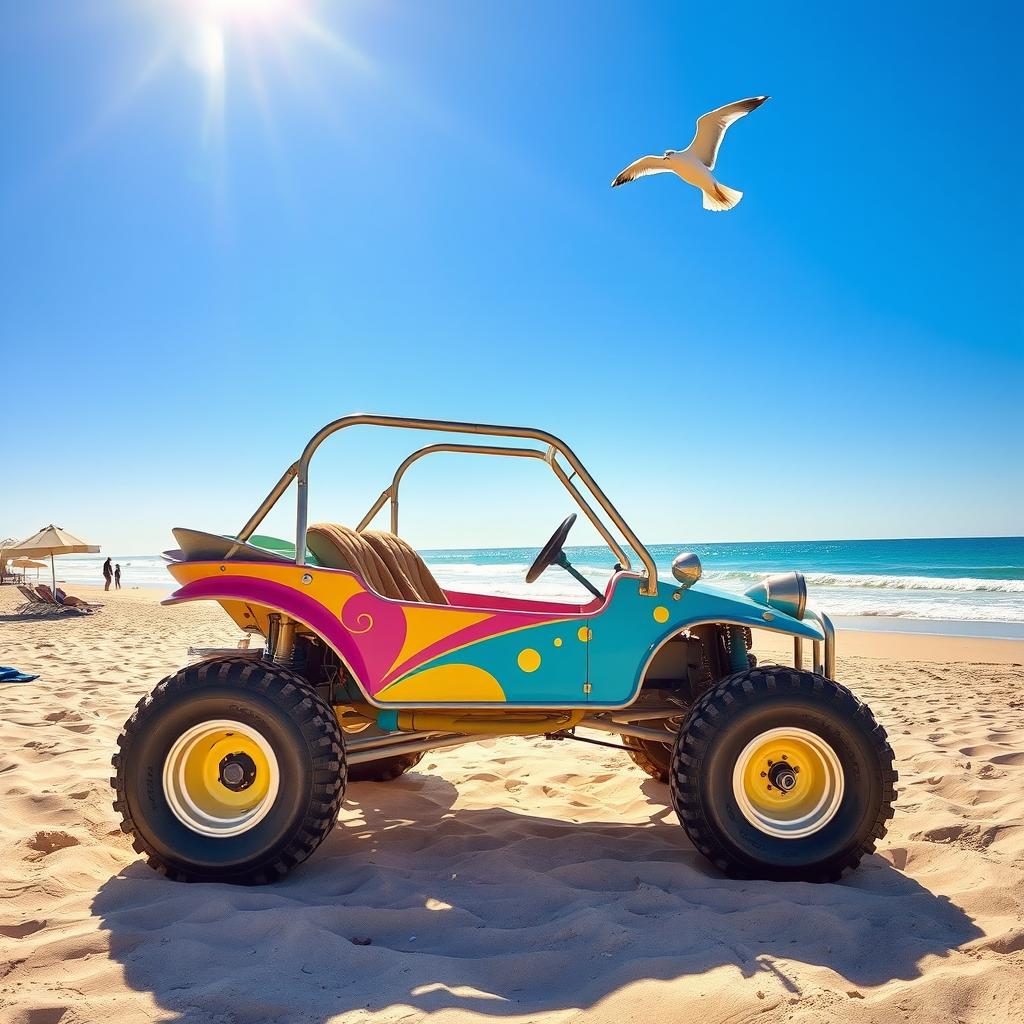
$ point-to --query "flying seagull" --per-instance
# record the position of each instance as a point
(695, 163)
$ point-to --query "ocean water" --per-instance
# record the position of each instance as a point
(973, 580)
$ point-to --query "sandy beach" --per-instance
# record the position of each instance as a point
(517, 880)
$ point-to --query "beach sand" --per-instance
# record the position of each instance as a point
(515, 880)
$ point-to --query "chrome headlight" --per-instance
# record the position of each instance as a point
(687, 569)
(786, 592)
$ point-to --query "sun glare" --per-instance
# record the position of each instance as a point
(209, 49)
(240, 10)
(243, 51)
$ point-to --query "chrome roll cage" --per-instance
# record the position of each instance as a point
(554, 447)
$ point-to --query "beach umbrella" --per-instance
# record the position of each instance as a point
(27, 563)
(54, 540)
(8, 550)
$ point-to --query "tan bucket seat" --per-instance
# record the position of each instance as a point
(385, 562)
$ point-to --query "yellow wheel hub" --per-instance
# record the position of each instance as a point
(788, 783)
(221, 778)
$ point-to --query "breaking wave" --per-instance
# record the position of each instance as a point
(934, 583)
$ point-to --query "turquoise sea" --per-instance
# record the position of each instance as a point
(964, 585)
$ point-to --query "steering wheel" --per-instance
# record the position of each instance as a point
(550, 552)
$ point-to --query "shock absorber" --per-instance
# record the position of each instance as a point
(738, 660)
(286, 652)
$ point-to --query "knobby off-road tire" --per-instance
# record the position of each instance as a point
(280, 714)
(728, 722)
(653, 758)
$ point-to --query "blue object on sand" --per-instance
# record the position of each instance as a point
(12, 675)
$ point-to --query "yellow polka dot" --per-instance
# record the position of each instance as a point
(558, 641)
(661, 613)
(529, 660)
(584, 633)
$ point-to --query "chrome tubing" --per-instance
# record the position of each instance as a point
(620, 555)
(374, 509)
(649, 585)
(390, 740)
(823, 666)
(657, 735)
(472, 449)
(362, 755)
(650, 714)
(481, 449)
(268, 503)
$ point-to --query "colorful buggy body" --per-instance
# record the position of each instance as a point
(235, 768)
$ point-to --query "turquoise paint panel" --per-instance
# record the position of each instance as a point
(558, 680)
(626, 634)
(622, 638)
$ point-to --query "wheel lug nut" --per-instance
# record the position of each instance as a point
(764, 775)
(785, 757)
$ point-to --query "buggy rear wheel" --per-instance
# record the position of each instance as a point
(783, 774)
(651, 757)
(231, 770)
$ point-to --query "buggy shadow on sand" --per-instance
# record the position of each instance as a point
(542, 915)
(234, 769)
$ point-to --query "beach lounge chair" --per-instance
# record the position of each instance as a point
(70, 601)
(35, 603)
(29, 594)
(50, 602)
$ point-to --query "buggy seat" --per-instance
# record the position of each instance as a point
(385, 562)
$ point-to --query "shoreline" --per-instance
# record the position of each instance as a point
(965, 628)
(878, 638)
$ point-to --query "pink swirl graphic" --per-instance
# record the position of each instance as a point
(380, 626)
(363, 619)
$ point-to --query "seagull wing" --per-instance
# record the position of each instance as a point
(638, 168)
(711, 128)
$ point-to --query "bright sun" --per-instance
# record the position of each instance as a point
(244, 51)
(214, 21)
(240, 10)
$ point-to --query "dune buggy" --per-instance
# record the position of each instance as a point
(235, 767)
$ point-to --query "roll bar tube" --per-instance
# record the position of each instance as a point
(300, 472)
(391, 493)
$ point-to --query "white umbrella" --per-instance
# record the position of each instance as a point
(8, 550)
(28, 563)
(53, 540)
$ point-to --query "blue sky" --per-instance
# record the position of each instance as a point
(224, 227)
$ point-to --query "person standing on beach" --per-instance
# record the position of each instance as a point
(107, 574)
(117, 576)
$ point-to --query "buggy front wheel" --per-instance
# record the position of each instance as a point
(231, 770)
(782, 774)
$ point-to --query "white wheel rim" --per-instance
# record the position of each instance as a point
(815, 790)
(194, 787)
